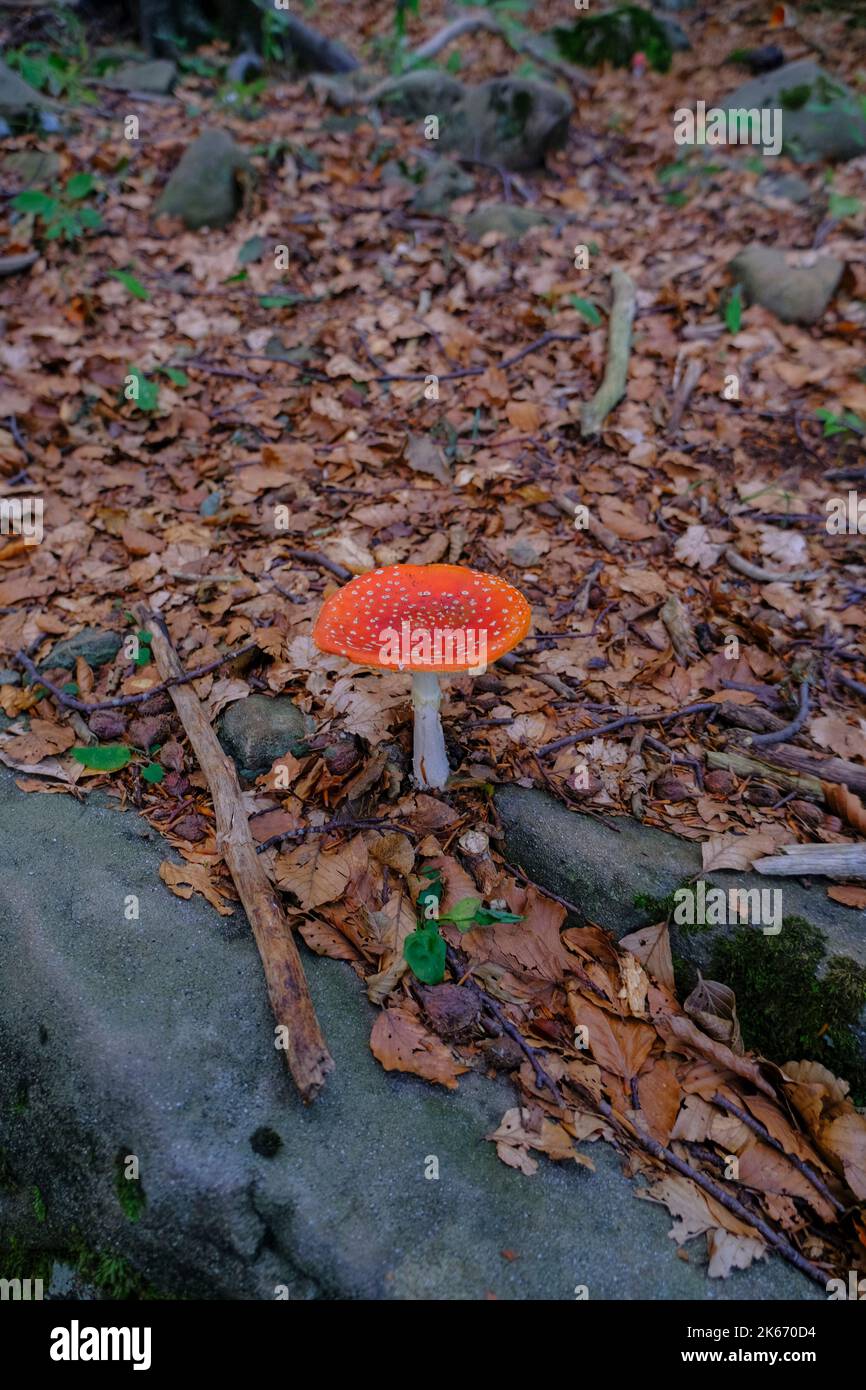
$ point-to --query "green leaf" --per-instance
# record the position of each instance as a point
(486, 916)
(152, 772)
(584, 307)
(80, 185)
(35, 201)
(111, 757)
(734, 310)
(424, 951)
(463, 913)
(130, 283)
(90, 218)
(148, 391)
(279, 301)
(840, 207)
(178, 378)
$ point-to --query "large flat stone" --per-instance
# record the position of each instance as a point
(154, 1038)
(601, 868)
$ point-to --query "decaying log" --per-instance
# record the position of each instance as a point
(852, 775)
(742, 766)
(306, 1052)
(827, 861)
(612, 388)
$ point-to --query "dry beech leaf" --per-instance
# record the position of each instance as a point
(318, 876)
(401, 1042)
(652, 947)
(618, 1045)
(43, 740)
(845, 804)
(849, 894)
(713, 1007)
(186, 879)
(517, 1134)
(741, 851)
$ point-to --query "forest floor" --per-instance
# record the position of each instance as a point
(284, 439)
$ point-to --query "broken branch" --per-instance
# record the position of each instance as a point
(306, 1051)
(612, 388)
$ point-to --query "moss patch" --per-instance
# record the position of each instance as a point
(112, 1275)
(130, 1193)
(786, 1012)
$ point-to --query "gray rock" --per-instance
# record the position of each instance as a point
(675, 6)
(789, 188)
(9, 677)
(508, 121)
(445, 181)
(96, 645)
(204, 190)
(157, 77)
(32, 168)
(258, 730)
(426, 92)
(821, 117)
(794, 294)
(154, 1037)
(17, 98)
(601, 869)
(509, 219)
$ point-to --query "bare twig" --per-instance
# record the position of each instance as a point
(313, 557)
(306, 1052)
(648, 716)
(612, 388)
(764, 1134)
(757, 572)
(460, 967)
(119, 701)
(789, 730)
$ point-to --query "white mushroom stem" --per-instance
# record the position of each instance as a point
(430, 763)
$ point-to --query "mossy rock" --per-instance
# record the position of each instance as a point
(512, 221)
(207, 188)
(794, 294)
(510, 122)
(32, 168)
(18, 99)
(821, 116)
(157, 78)
(427, 92)
(258, 730)
(94, 644)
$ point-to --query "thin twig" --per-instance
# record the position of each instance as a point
(329, 826)
(791, 730)
(702, 707)
(764, 1134)
(119, 701)
(460, 967)
(313, 557)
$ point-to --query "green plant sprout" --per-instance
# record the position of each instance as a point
(62, 212)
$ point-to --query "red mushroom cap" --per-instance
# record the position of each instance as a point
(408, 602)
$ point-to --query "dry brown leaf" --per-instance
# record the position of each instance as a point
(186, 879)
(741, 851)
(652, 947)
(401, 1042)
(845, 804)
(43, 740)
(318, 876)
(840, 737)
(618, 1045)
(713, 1007)
(849, 894)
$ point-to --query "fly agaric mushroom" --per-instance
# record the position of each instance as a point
(432, 620)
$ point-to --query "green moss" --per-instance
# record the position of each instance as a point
(111, 1274)
(786, 1012)
(39, 1208)
(130, 1193)
(662, 909)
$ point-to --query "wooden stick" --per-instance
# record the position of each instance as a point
(752, 767)
(612, 388)
(306, 1052)
(852, 775)
(828, 861)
